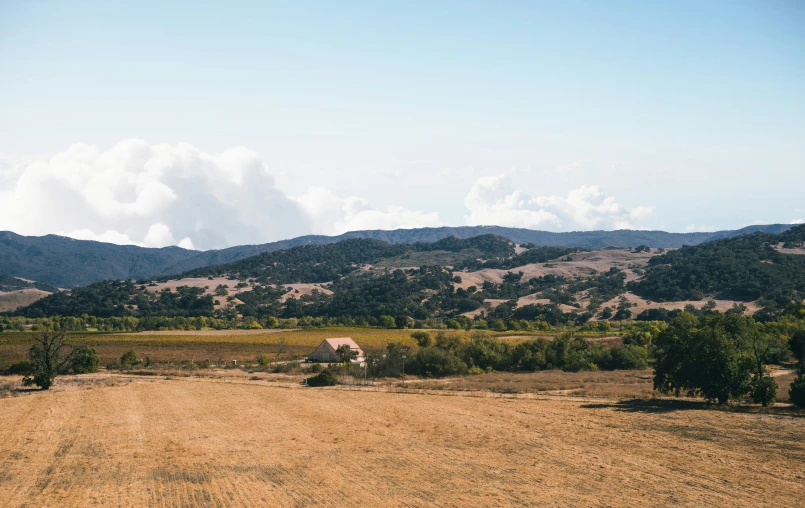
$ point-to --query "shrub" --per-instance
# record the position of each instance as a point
(436, 362)
(20, 368)
(285, 368)
(316, 368)
(263, 360)
(627, 357)
(129, 359)
(85, 360)
(324, 378)
(475, 370)
(764, 391)
(797, 391)
(422, 338)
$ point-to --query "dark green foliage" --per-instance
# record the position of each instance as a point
(629, 356)
(437, 362)
(744, 268)
(764, 390)
(23, 368)
(656, 315)
(711, 357)
(121, 298)
(422, 338)
(324, 378)
(84, 361)
(311, 263)
(345, 353)
(797, 345)
(797, 391)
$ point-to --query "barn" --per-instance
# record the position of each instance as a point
(326, 350)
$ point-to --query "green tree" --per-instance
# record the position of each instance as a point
(129, 359)
(797, 391)
(707, 358)
(85, 360)
(387, 321)
(797, 345)
(346, 354)
(764, 388)
(422, 338)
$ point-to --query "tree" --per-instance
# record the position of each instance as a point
(707, 357)
(797, 391)
(129, 358)
(85, 360)
(764, 388)
(387, 322)
(797, 344)
(281, 345)
(346, 354)
(49, 358)
(422, 338)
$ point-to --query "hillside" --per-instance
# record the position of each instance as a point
(65, 262)
(746, 268)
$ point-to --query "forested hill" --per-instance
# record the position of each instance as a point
(360, 281)
(65, 262)
(583, 239)
(747, 268)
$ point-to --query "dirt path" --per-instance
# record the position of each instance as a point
(183, 442)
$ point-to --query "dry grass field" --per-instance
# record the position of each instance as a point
(240, 442)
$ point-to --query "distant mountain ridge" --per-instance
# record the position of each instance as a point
(66, 262)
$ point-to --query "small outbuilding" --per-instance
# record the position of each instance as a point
(325, 353)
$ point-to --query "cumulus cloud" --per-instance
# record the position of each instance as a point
(798, 221)
(161, 195)
(495, 200)
(693, 228)
(329, 214)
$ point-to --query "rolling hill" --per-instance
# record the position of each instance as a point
(65, 262)
(489, 277)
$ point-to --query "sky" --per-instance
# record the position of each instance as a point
(210, 124)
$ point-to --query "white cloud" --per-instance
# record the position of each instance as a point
(692, 228)
(329, 214)
(159, 235)
(107, 236)
(798, 221)
(153, 195)
(494, 200)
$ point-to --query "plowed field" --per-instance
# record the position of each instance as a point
(205, 442)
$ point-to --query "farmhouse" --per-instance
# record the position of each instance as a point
(326, 350)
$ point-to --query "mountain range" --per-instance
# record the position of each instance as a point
(66, 262)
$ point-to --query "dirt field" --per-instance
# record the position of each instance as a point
(201, 442)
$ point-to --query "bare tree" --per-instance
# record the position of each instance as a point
(281, 344)
(49, 358)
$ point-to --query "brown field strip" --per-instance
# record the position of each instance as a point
(197, 442)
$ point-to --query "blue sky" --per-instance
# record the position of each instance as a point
(679, 115)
